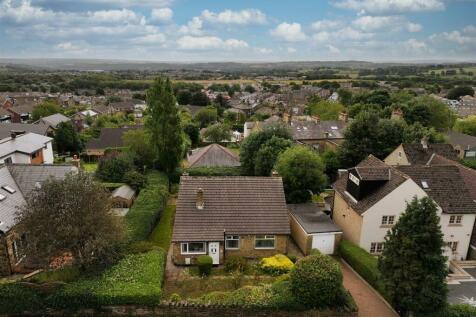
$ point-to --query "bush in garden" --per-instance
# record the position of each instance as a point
(235, 263)
(175, 298)
(205, 263)
(292, 257)
(316, 281)
(134, 179)
(113, 166)
(277, 264)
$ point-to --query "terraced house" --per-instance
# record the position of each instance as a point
(223, 216)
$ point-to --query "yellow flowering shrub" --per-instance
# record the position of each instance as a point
(277, 264)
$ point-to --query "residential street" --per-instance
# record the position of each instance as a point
(369, 303)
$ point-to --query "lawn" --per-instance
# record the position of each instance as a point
(162, 233)
(90, 167)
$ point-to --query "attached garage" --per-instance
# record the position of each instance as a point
(311, 229)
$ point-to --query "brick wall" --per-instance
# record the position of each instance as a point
(247, 249)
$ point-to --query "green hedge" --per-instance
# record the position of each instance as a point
(136, 280)
(148, 206)
(214, 171)
(363, 263)
(458, 310)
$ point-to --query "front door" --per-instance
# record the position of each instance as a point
(214, 251)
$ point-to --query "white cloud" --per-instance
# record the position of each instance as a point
(332, 49)
(291, 50)
(461, 38)
(67, 46)
(150, 39)
(325, 25)
(243, 17)
(193, 27)
(208, 42)
(114, 16)
(415, 45)
(413, 27)
(162, 14)
(383, 23)
(290, 32)
(264, 50)
(390, 6)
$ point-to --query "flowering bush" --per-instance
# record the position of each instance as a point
(277, 264)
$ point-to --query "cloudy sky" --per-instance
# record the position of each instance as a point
(225, 30)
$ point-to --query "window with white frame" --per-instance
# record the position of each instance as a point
(376, 247)
(232, 242)
(193, 248)
(265, 241)
(388, 220)
(456, 219)
(453, 245)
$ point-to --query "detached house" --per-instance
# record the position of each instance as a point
(419, 153)
(17, 182)
(213, 155)
(370, 198)
(223, 216)
(29, 148)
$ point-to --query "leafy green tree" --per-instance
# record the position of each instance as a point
(416, 132)
(134, 179)
(412, 264)
(250, 89)
(430, 113)
(56, 207)
(139, 146)
(332, 164)
(113, 166)
(184, 97)
(44, 109)
(345, 96)
(193, 133)
(357, 108)
(164, 125)
(268, 154)
(251, 145)
(326, 110)
(217, 133)
(460, 91)
(466, 125)
(302, 171)
(199, 99)
(206, 116)
(67, 139)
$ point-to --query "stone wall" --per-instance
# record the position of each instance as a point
(177, 310)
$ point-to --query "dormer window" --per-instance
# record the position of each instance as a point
(2, 197)
(9, 189)
(425, 185)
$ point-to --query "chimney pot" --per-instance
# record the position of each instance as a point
(343, 116)
(200, 203)
(424, 143)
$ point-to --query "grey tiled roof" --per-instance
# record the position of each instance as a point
(110, 138)
(24, 143)
(416, 154)
(6, 128)
(446, 186)
(310, 130)
(23, 178)
(312, 219)
(238, 205)
(213, 155)
(54, 119)
(465, 141)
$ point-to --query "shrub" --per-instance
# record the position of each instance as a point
(205, 263)
(175, 298)
(113, 167)
(142, 217)
(141, 247)
(277, 264)
(16, 298)
(235, 263)
(135, 179)
(460, 310)
(214, 171)
(292, 257)
(363, 263)
(316, 281)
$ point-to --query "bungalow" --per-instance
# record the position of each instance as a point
(17, 182)
(224, 216)
(464, 144)
(370, 198)
(29, 148)
(312, 228)
(109, 138)
(54, 120)
(213, 155)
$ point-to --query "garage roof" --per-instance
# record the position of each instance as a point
(312, 218)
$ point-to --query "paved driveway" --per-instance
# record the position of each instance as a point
(369, 303)
(463, 292)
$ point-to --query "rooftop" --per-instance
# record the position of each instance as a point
(213, 155)
(312, 219)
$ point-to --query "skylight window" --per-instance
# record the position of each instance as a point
(2, 197)
(9, 189)
(334, 127)
(424, 184)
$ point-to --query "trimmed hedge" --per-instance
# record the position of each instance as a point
(148, 206)
(214, 171)
(460, 310)
(205, 263)
(136, 280)
(363, 263)
(276, 264)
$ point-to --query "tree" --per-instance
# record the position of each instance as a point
(302, 171)
(268, 154)
(67, 139)
(184, 97)
(217, 133)
(139, 146)
(332, 164)
(70, 216)
(345, 96)
(206, 116)
(199, 99)
(250, 89)
(193, 133)
(251, 145)
(460, 91)
(430, 113)
(44, 109)
(412, 264)
(326, 110)
(164, 125)
(466, 125)
(113, 166)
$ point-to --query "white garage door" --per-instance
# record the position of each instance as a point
(324, 242)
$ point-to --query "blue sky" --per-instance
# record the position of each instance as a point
(259, 30)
